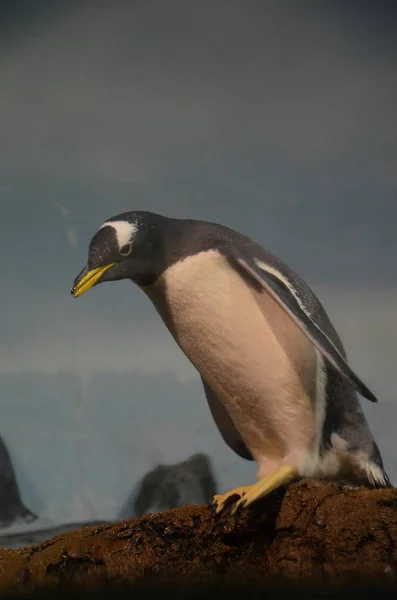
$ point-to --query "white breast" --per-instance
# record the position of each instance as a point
(244, 345)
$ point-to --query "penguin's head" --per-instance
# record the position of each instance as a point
(127, 246)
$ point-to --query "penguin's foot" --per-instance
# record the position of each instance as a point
(252, 493)
(265, 486)
(220, 501)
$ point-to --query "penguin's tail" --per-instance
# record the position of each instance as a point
(372, 472)
(365, 468)
(377, 480)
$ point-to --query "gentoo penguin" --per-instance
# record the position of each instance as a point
(12, 508)
(274, 370)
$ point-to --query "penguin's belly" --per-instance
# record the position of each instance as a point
(247, 349)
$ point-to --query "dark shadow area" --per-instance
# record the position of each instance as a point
(214, 591)
(22, 17)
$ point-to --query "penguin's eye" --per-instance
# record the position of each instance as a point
(126, 249)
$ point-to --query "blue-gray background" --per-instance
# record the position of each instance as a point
(277, 118)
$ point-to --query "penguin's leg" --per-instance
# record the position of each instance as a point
(283, 476)
(250, 494)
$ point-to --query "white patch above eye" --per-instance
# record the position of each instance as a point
(125, 231)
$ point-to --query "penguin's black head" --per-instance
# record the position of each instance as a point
(127, 246)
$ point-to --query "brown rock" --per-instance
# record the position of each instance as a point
(316, 532)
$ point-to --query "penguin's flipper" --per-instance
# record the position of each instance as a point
(282, 291)
(225, 424)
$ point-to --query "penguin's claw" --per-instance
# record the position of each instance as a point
(265, 486)
(248, 495)
(221, 501)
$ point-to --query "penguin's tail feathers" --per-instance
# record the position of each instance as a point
(374, 476)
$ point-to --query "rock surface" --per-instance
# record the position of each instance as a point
(315, 532)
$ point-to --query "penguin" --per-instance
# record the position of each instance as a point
(12, 509)
(274, 370)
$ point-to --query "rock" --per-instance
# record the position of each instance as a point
(172, 486)
(313, 533)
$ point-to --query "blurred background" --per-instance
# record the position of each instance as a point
(276, 118)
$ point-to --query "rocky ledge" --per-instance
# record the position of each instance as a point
(314, 533)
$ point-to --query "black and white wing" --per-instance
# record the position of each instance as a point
(278, 286)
